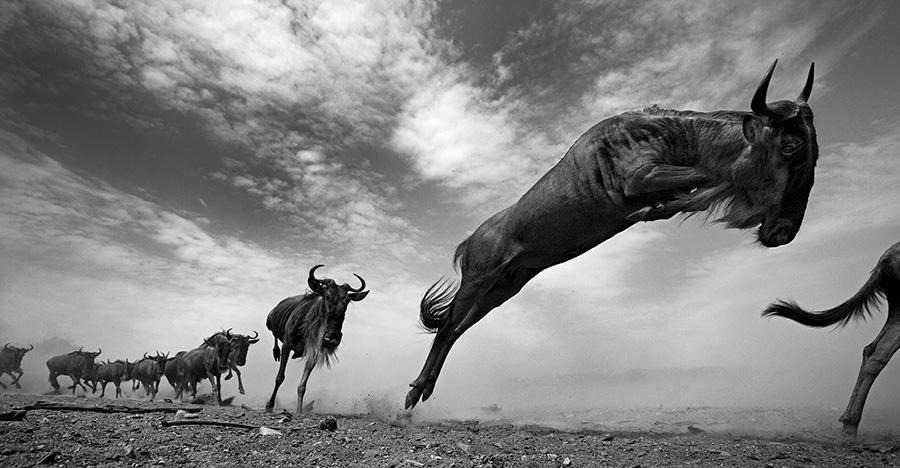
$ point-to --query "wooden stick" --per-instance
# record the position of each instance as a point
(104, 409)
(207, 423)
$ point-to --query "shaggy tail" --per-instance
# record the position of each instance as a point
(436, 304)
(857, 307)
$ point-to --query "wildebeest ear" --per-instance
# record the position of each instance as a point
(358, 296)
(756, 128)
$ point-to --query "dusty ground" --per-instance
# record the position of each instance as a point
(66, 438)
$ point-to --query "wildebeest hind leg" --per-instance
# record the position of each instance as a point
(510, 282)
(875, 356)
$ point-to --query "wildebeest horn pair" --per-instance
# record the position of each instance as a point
(316, 285)
(758, 104)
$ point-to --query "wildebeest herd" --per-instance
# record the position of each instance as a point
(755, 169)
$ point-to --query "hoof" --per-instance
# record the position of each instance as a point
(18, 386)
(241, 391)
(412, 398)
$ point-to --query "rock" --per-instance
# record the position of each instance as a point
(328, 424)
(13, 415)
(695, 430)
(409, 462)
(464, 447)
(607, 437)
(267, 431)
(567, 462)
(49, 458)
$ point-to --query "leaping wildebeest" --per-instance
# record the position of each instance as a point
(149, 371)
(11, 362)
(74, 365)
(883, 282)
(238, 357)
(310, 326)
(208, 361)
(752, 168)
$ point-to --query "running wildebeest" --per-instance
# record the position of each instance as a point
(310, 325)
(149, 371)
(90, 377)
(208, 361)
(115, 372)
(238, 356)
(752, 168)
(74, 365)
(173, 371)
(11, 362)
(884, 282)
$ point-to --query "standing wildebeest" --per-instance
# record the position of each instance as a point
(115, 372)
(11, 361)
(149, 371)
(238, 357)
(884, 282)
(74, 365)
(754, 168)
(310, 325)
(208, 361)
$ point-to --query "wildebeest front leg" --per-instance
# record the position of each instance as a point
(16, 381)
(77, 382)
(279, 377)
(240, 383)
(308, 367)
(875, 356)
(662, 178)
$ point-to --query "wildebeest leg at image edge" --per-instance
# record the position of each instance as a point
(875, 356)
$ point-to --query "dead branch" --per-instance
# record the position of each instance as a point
(208, 423)
(43, 405)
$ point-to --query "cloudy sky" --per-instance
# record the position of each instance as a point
(170, 168)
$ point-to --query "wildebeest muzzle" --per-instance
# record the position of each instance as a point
(332, 339)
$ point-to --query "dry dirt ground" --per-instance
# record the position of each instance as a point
(72, 438)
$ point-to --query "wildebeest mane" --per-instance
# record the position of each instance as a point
(305, 316)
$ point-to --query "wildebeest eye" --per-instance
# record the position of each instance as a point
(790, 149)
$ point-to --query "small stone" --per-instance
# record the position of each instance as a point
(463, 446)
(49, 458)
(552, 456)
(328, 424)
(607, 437)
(267, 431)
(567, 461)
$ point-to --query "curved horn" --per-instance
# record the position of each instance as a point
(6, 346)
(807, 88)
(362, 286)
(99, 350)
(313, 282)
(81, 349)
(145, 356)
(31, 346)
(255, 335)
(758, 104)
(228, 333)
